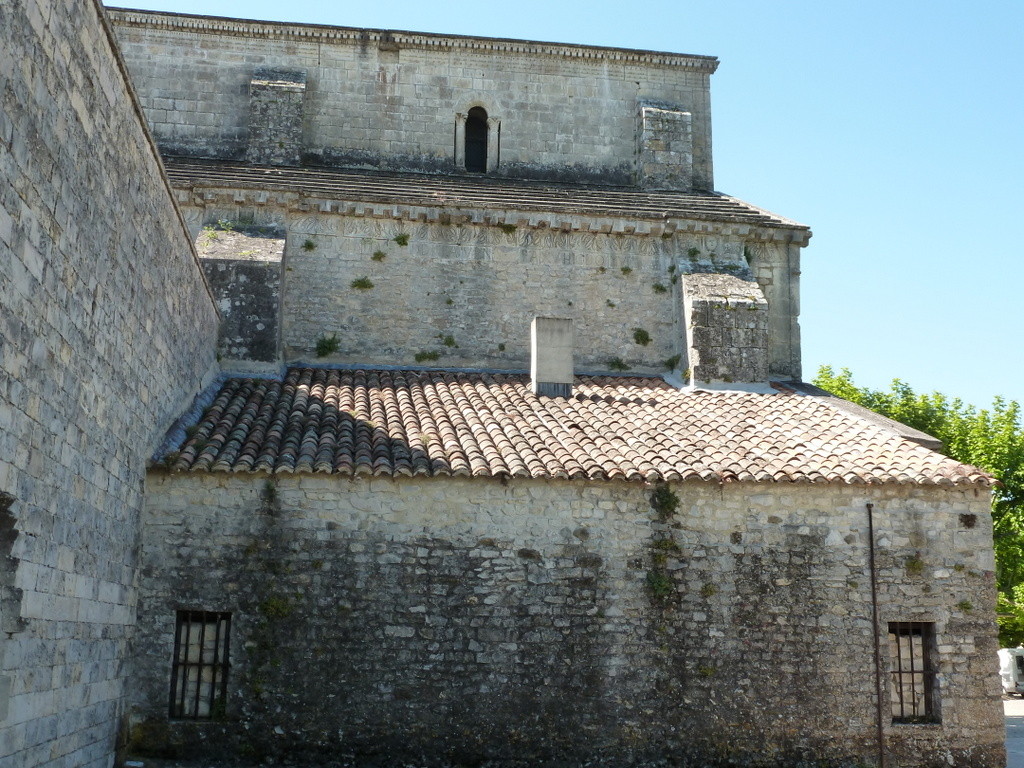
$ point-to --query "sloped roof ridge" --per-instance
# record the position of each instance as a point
(404, 422)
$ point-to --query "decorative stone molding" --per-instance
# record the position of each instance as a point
(297, 202)
(316, 33)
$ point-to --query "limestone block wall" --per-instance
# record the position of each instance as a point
(482, 283)
(451, 620)
(391, 99)
(776, 267)
(106, 331)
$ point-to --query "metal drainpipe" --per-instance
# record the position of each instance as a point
(876, 632)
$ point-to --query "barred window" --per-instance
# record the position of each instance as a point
(911, 654)
(199, 671)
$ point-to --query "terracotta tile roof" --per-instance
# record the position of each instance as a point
(470, 192)
(429, 423)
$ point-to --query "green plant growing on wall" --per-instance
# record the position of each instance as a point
(378, 256)
(508, 229)
(501, 347)
(659, 584)
(693, 252)
(616, 364)
(327, 345)
(671, 363)
(641, 337)
(402, 239)
(362, 283)
(269, 492)
(449, 301)
(659, 288)
(914, 565)
(707, 671)
(666, 235)
(601, 270)
(308, 245)
(626, 270)
(276, 607)
(424, 356)
(448, 340)
(708, 590)
(664, 502)
(965, 605)
(610, 303)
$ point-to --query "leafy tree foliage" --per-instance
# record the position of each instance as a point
(991, 439)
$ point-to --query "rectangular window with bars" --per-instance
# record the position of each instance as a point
(911, 658)
(199, 670)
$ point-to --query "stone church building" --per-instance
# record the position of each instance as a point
(410, 399)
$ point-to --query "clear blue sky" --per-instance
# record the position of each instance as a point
(894, 129)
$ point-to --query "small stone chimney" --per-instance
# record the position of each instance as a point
(551, 342)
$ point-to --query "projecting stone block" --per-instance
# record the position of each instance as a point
(665, 148)
(726, 329)
(243, 269)
(275, 116)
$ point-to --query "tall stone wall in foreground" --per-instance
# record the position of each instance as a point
(452, 621)
(107, 330)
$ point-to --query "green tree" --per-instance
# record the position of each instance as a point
(991, 439)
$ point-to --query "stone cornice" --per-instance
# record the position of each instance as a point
(298, 202)
(126, 17)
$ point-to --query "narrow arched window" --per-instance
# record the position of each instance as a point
(476, 140)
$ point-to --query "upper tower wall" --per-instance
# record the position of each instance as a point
(400, 100)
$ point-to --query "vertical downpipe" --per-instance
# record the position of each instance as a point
(876, 632)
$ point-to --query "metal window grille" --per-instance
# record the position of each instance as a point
(199, 671)
(911, 652)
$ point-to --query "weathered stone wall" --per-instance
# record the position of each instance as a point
(243, 268)
(664, 148)
(106, 332)
(456, 620)
(726, 321)
(481, 284)
(390, 100)
(276, 102)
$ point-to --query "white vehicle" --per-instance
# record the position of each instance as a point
(1011, 670)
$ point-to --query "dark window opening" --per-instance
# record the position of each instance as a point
(476, 140)
(199, 672)
(911, 654)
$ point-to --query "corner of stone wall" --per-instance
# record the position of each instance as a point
(726, 320)
(664, 148)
